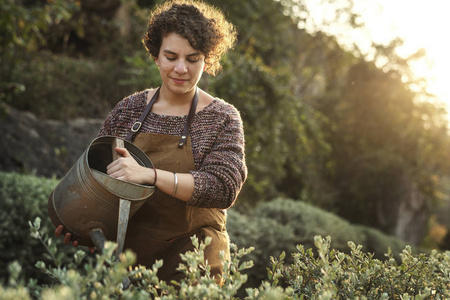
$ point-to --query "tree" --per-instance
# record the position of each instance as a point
(382, 140)
(22, 28)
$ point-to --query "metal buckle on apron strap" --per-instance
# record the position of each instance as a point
(138, 124)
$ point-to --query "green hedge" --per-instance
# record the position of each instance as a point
(314, 267)
(62, 87)
(282, 224)
(273, 227)
(23, 198)
(325, 273)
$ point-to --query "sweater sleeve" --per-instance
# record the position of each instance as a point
(223, 171)
(106, 128)
(123, 115)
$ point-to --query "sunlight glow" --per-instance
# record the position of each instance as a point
(424, 25)
(421, 24)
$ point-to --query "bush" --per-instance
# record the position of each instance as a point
(109, 278)
(23, 198)
(269, 238)
(308, 221)
(330, 274)
(61, 87)
(271, 228)
(282, 224)
(379, 243)
(336, 275)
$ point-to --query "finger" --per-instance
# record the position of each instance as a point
(59, 230)
(112, 165)
(67, 238)
(76, 243)
(112, 168)
(92, 249)
(123, 152)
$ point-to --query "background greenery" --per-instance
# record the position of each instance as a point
(336, 143)
(315, 268)
(273, 227)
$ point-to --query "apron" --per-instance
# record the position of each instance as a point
(162, 227)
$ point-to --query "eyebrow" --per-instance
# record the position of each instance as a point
(192, 54)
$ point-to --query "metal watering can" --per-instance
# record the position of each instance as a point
(92, 205)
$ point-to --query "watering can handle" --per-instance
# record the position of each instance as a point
(124, 207)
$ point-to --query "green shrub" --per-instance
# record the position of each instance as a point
(313, 271)
(378, 243)
(271, 228)
(109, 278)
(23, 198)
(269, 238)
(330, 274)
(62, 87)
(282, 224)
(357, 275)
(308, 221)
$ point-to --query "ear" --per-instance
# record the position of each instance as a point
(157, 62)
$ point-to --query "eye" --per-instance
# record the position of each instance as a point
(193, 59)
(171, 58)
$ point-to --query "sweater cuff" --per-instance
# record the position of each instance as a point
(199, 185)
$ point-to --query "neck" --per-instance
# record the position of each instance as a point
(176, 99)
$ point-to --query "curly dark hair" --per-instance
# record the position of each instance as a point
(203, 25)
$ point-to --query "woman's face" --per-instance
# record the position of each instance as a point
(180, 65)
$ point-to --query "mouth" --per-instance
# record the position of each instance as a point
(179, 81)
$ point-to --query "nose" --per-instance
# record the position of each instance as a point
(181, 67)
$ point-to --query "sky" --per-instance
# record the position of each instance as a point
(420, 23)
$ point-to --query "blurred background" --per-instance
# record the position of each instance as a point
(344, 108)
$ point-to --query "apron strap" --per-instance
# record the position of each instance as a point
(138, 124)
(189, 119)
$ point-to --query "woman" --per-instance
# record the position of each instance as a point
(195, 141)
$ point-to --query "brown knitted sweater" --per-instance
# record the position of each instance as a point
(217, 137)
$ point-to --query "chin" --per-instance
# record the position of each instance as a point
(181, 89)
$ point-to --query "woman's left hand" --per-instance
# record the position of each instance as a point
(126, 168)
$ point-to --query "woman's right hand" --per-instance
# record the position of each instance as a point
(67, 237)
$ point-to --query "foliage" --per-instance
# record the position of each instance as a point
(308, 221)
(23, 198)
(108, 277)
(267, 236)
(323, 125)
(77, 86)
(329, 274)
(381, 139)
(279, 225)
(284, 143)
(336, 275)
(23, 32)
(271, 228)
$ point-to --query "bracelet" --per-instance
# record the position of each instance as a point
(175, 177)
(156, 176)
